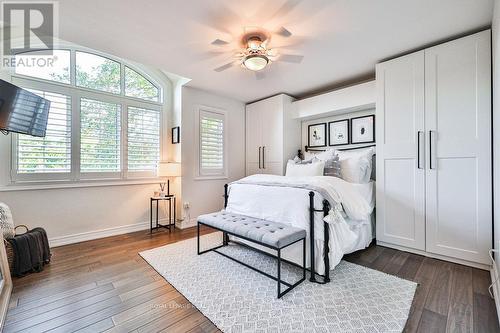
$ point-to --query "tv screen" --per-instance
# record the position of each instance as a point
(22, 111)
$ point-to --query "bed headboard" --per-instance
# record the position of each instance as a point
(374, 157)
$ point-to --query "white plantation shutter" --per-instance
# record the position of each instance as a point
(212, 143)
(52, 153)
(99, 136)
(143, 139)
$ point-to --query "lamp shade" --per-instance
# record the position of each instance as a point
(169, 169)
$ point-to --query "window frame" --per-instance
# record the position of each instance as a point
(76, 93)
(199, 174)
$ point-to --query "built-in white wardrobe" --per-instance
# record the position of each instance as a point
(433, 132)
(272, 135)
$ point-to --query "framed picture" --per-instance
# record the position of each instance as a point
(338, 132)
(363, 129)
(316, 135)
(176, 135)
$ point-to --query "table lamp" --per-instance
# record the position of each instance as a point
(168, 169)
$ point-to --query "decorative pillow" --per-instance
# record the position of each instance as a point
(332, 167)
(323, 156)
(356, 165)
(6, 222)
(304, 170)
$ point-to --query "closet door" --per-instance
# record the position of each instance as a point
(458, 133)
(400, 152)
(253, 139)
(272, 134)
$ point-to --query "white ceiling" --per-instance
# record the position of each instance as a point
(340, 40)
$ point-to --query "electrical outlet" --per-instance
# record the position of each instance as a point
(186, 205)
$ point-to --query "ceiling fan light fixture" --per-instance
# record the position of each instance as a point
(254, 43)
(255, 62)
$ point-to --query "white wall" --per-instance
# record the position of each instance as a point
(76, 214)
(496, 124)
(349, 115)
(205, 196)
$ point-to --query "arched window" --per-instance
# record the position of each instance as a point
(104, 120)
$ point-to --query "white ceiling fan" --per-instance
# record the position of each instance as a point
(254, 52)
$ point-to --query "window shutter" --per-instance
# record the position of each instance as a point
(211, 143)
(143, 139)
(100, 136)
(52, 153)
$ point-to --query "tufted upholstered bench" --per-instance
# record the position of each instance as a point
(272, 235)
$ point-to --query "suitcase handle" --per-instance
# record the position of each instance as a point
(21, 226)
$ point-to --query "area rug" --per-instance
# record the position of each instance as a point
(238, 299)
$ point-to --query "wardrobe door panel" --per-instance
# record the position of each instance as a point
(458, 124)
(400, 144)
(272, 130)
(253, 138)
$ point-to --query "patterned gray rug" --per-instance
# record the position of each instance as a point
(237, 299)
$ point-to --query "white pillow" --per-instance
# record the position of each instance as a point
(356, 165)
(323, 156)
(304, 170)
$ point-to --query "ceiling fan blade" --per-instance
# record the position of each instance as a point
(283, 32)
(293, 58)
(260, 75)
(272, 52)
(224, 67)
(287, 7)
(219, 42)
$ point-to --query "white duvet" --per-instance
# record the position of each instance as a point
(286, 200)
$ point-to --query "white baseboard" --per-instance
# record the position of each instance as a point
(436, 256)
(96, 234)
(496, 287)
(187, 224)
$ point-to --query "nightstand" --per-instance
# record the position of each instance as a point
(171, 223)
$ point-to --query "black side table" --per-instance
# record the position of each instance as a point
(171, 223)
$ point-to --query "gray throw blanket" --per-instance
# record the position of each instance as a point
(31, 251)
(317, 184)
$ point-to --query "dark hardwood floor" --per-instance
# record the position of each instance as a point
(104, 285)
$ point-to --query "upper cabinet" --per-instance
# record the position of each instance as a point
(272, 136)
(434, 183)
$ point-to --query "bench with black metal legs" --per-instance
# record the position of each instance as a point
(272, 235)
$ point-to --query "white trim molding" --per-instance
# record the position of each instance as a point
(436, 256)
(96, 234)
(184, 224)
(496, 288)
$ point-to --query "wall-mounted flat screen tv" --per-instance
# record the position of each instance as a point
(22, 111)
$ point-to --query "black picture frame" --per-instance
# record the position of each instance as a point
(348, 136)
(355, 119)
(176, 135)
(309, 135)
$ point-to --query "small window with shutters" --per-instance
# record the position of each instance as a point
(212, 143)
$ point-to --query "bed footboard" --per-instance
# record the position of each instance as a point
(312, 210)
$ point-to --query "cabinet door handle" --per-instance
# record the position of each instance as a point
(418, 150)
(259, 155)
(264, 157)
(430, 150)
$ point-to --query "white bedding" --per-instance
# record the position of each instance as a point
(290, 205)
